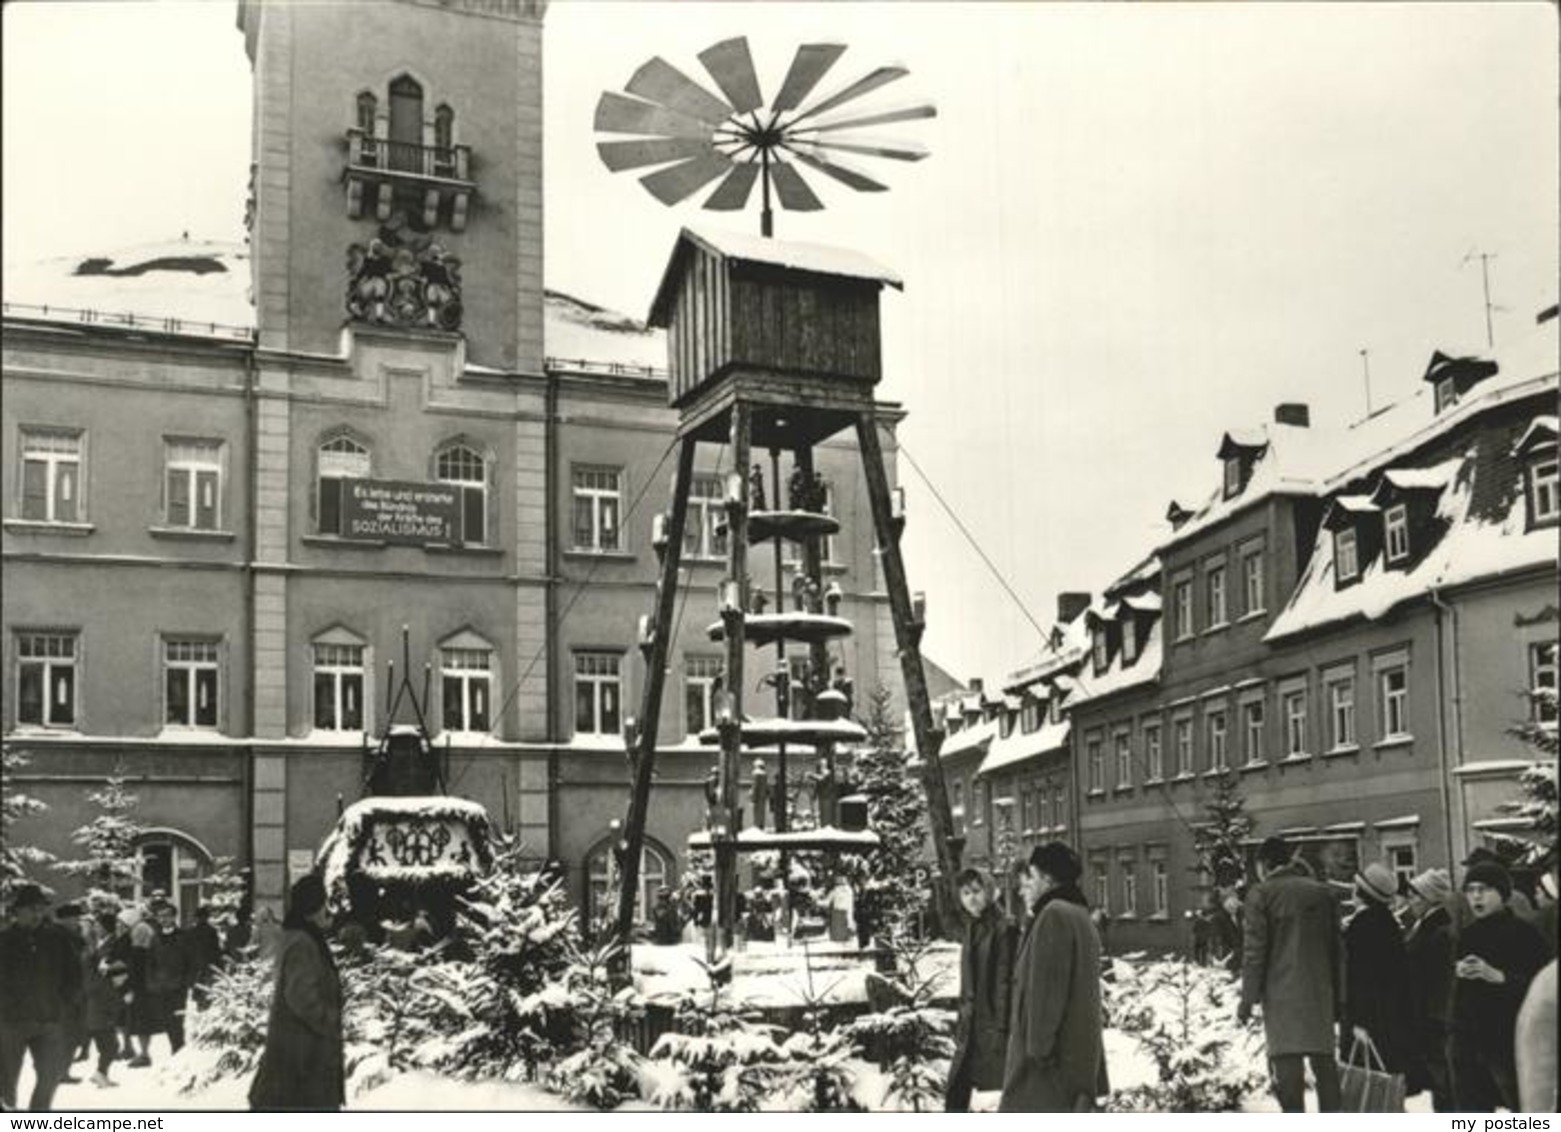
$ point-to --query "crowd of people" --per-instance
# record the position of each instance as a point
(102, 979)
(767, 912)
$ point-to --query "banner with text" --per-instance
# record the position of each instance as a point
(402, 512)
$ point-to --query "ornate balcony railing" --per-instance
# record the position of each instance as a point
(377, 166)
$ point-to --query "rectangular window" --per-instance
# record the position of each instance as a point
(1252, 581)
(1124, 745)
(193, 480)
(1395, 521)
(1544, 495)
(467, 680)
(1446, 394)
(598, 509)
(1102, 655)
(1341, 711)
(1059, 807)
(1129, 638)
(1295, 721)
(700, 674)
(1129, 887)
(1542, 681)
(1253, 725)
(1181, 736)
(338, 687)
(704, 535)
(1097, 764)
(1154, 757)
(1232, 476)
(1215, 585)
(1403, 860)
(597, 693)
(978, 802)
(1160, 879)
(51, 476)
(1219, 756)
(1345, 561)
(1393, 697)
(190, 683)
(1183, 608)
(1102, 872)
(46, 679)
(340, 459)
(1030, 718)
(467, 471)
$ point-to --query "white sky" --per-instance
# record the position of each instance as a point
(1140, 224)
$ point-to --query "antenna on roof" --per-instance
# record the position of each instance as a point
(1365, 362)
(1485, 278)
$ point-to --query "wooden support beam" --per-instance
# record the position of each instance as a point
(731, 732)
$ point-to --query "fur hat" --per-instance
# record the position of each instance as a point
(1057, 861)
(1490, 874)
(1377, 883)
(1433, 886)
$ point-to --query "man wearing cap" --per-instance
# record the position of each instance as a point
(1291, 961)
(1428, 954)
(1498, 955)
(1376, 992)
(40, 980)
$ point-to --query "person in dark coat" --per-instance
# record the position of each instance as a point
(241, 932)
(1498, 955)
(1291, 960)
(1376, 986)
(1056, 1049)
(302, 1066)
(986, 968)
(666, 923)
(204, 948)
(105, 979)
(1428, 956)
(167, 981)
(40, 981)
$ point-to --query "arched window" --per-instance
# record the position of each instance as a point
(457, 464)
(368, 110)
(175, 865)
(406, 124)
(341, 458)
(602, 881)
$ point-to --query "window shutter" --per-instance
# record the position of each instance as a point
(178, 497)
(35, 491)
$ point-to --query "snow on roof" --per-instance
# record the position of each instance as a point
(975, 737)
(1149, 602)
(1355, 504)
(1020, 745)
(1541, 431)
(1144, 670)
(1473, 547)
(1433, 478)
(1141, 574)
(1069, 650)
(199, 283)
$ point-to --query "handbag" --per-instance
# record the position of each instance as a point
(1365, 1085)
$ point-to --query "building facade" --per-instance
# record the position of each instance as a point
(227, 508)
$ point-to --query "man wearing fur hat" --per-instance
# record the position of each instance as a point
(1376, 993)
(1428, 953)
(1498, 955)
(40, 981)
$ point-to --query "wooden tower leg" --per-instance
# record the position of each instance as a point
(731, 730)
(642, 752)
(907, 635)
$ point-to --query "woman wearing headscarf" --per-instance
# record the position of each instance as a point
(1056, 1052)
(302, 1067)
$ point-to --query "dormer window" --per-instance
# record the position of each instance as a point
(1240, 451)
(1232, 476)
(1030, 719)
(1395, 524)
(1446, 394)
(1537, 448)
(1452, 377)
(1129, 640)
(1102, 648)
(1346, 561)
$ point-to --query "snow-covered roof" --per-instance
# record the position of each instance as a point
(1069, 650)
(1433, 478)
(201, 288)
(1148, 602)
(1540, 432)
(1472, 546)
(1144, 670)
(978, 736)
(1020, 746)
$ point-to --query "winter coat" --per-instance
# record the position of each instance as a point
(104, 1001)
(1056, 1053)
(40, 975)
(1428, 962)
(204, 947)
(1291, 960)
(1376, 984)
(302, 1066)
(986, 970)
(1485, 1014)
(1535, 1043)
(168, 966)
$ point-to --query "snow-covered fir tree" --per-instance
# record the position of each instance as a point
(18, 859)
(1218, 841)
(1537, 805)
(109, 864)
(715, 1059)
(897, 813)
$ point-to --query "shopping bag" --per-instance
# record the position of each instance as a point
(1365, 1084)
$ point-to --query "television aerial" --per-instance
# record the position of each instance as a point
(699, 136)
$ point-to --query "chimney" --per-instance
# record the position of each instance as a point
(975, 684)
(1293, 413)
(1070, 605)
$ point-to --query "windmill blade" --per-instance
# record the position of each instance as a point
(620, 155)
(904, 114)
(659, 81)
(863, 85)
(841, 172)
(684, 179)
(900, 151)
(731, 195)
(731, 66)
(793, 191)
(616, 114)
(808, 66)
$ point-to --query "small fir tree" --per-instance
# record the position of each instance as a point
(109, 865)
(17, 858)
(897, 813)
(1218, 842)
(1537, 804)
